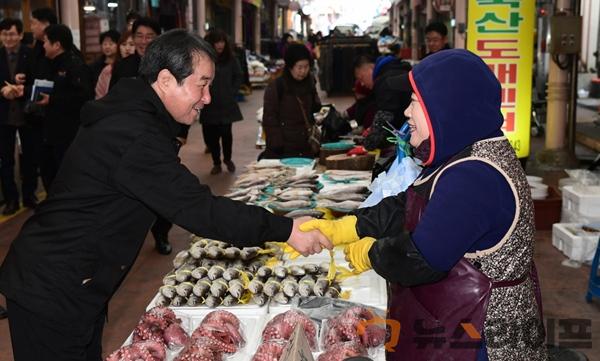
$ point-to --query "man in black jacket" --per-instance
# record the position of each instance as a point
(72, 88)
(15, 59)
(121, 169)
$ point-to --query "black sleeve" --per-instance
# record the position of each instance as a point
(116, 74)
(398, 260)
(151, 172)
(386, 219)
(377, 137)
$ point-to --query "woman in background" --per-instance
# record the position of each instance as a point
(125, 48)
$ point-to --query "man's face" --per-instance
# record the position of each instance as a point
(52, 49)
(435, 41)
(142, 37)
(37, 28)
(109, 47)
(364, 74)
(185, 101)
(11, 38)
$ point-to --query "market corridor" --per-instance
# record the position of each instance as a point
(560, 285)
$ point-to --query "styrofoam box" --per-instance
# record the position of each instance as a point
(577, 248)
(568, 216)
(584, 200)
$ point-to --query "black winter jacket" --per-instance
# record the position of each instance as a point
(121, 169)
(223, 107)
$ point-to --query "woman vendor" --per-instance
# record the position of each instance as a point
(457, 246)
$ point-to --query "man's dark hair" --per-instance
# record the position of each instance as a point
(60, 33)
(216, 35)
(45, 14)
(131, 15)
(147, 22)
(363, 60)
(438, 27)
(112, 35)
(175, 51)
(8, 23)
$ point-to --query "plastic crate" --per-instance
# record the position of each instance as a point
(584, 200)
(577, 247)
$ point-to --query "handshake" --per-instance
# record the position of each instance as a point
(310, 236)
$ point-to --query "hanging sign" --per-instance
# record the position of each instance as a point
(501, 33)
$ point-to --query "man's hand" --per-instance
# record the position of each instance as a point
(45, 99)
(307, 243)
(20, 78)
(7, 92)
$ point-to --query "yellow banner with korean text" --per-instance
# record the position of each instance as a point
(501, 32)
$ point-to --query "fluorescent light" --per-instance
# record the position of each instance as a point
(89, 6)
(112, 4)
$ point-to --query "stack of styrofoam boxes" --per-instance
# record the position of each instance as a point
(575, 242)
(580, 204)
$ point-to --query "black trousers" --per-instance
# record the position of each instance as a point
(212, 135)
(52, 156)
(34, 338)
(31, 140)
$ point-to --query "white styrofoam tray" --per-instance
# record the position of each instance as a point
(581, 199)
(568, 239)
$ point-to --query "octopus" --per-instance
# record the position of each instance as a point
(342, 351)
(160, 325)
(140, 351)
(269, 351)
(221, 330)
(282, 326)
(199, 349)
(345, 328)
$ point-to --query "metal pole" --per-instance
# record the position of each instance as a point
(572, 118)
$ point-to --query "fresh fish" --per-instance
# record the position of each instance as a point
(180, 259)
(346, 188)
(324, 267)
(248, 253)
(289, 286)
(256, 286)
(207, 262)
(264, 272)
(168, 291)
(215, 243)
(272, 286)
(249, 182)
(295, 192)
(212, 301)
(193, 301)
(256, 264)
(305, 213)
(178, 301)
(279, 191)
(184, 289)
(231, 273)
(199, 272)
(170, 279)
(325, 203)
(218, 288)
(243, 198)
(197, 250)
(236, 193)
(311, 268)
(184, 273)
(281, 298)
(237, 264)
(296, 271)
(231, 253)
(229, 300)
(236, 288)
(214, 252)
(161, 300)
(200, 240)
(202, 287)
(215, 272)
(306, 285)
(290, 204)
(280, 271)
(321, 287)
(260, 299)
(333, 291)
(340, 197)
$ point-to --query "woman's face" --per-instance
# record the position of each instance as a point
(109, 47)
(300, 70)
(219, 47)
(419, 129)
(127, 48)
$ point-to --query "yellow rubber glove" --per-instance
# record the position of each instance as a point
(357, 254)
(339, 231)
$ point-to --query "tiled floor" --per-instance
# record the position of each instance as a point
(563, 288)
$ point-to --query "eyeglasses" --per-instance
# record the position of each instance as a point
(148, 37)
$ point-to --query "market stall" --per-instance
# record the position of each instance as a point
(224, 303)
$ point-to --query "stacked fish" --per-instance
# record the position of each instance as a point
(215, 273)
(342, 197)
(282, 189)
(281, 284)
